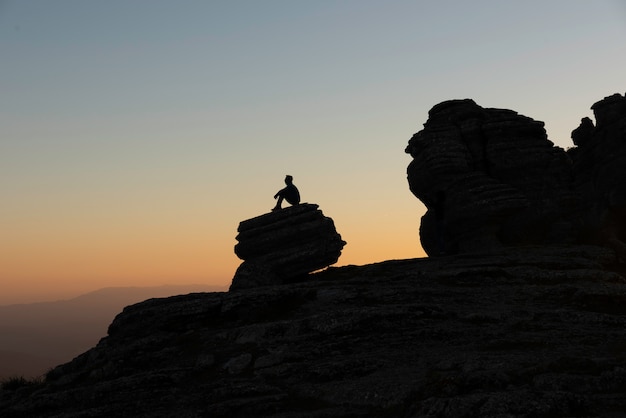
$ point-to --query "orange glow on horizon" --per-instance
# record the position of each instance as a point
(63, 246)
(45, 267)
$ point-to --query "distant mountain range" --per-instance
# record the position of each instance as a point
(38, 336)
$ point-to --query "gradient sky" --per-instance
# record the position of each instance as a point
(136, 135)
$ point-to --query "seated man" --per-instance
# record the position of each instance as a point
(289, 193)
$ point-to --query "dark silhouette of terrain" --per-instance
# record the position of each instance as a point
(599, 165)
(38, 336)
(521, 321)
(506, 184)
(534, 332)
(284, 246)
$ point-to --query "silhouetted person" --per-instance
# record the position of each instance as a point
(289, 193)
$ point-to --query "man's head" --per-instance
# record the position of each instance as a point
(288, 179)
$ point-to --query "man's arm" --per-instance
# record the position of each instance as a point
(278, 193)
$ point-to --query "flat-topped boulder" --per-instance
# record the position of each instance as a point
(283, 246)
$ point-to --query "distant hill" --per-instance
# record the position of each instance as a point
(38, 336)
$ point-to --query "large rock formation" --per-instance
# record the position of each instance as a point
(284, 246)
(503, 181)
(600, 171)
(518, 333)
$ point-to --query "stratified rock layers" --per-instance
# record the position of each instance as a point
(284, 246)
(600, 171)
(504, 182)
(520, 333)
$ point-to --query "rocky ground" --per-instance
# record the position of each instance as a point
(535, 332)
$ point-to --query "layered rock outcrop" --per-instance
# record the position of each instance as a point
(284, 246)
(533, 332)
(497, 177)
(519, 331)
(600, 171)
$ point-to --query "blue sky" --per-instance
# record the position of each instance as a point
(135, 132)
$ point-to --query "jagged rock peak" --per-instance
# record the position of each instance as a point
(599, 171)
(284, 246)
(610, 109)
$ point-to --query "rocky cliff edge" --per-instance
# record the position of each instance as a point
(524, 332)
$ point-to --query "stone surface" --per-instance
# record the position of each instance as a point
(523, 332)
(284, 246)
(600, 172)
(504, 182)
(503, 329)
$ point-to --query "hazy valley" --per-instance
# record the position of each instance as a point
(38, 336)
